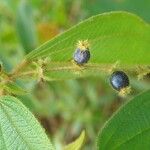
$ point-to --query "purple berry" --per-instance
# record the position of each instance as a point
(81, 56)
(119, 80)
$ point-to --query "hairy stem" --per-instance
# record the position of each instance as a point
(19, 68)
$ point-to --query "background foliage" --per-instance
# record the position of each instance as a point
(64, 108)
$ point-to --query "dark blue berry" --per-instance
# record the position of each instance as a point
(81, 56)
(119, 80)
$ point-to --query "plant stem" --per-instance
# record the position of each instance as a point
(19, 68)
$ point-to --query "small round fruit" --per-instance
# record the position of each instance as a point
(81, 56)
(119, 80)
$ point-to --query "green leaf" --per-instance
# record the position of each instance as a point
(76, 145)
(18, 127)
(129, 128)
(25, 26)
(115, 37)
(13, 88)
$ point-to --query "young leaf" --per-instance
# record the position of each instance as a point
(76, 145)
(18, 127)
(129, 128)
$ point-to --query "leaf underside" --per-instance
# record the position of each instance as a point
(18, 127)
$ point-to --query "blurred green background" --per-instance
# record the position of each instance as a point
(64, 108)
